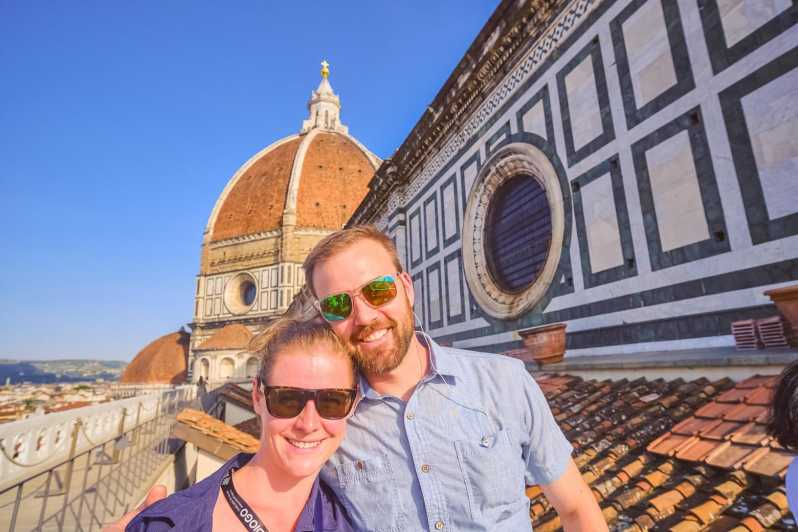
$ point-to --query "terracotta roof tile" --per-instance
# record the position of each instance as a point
(744, 412)
(624, 442)
(715, 410)
(751, 434)
(759, 380)
(696, 449)
(760, 396)
(218, 430)
(770, 463)
(722, 430)
(231, 336)
(729, 455)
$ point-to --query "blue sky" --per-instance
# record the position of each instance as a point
(121, 122)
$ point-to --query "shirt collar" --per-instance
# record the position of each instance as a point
(443, 368)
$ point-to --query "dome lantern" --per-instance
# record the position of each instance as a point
(324, 106)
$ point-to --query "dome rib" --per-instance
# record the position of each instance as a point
(236, 206)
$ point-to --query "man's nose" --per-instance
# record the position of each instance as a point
(364, 313)
(308, 419)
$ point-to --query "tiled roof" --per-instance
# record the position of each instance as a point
(231, 336)
(213, 435)
(237, 394)
(163, 361)
(671, 455)
(250, 426)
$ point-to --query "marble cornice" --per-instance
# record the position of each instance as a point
(513, 28)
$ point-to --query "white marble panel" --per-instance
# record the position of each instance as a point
(677, 197)
(415, 237)
(448, 195)
(217, 306)
(469, 175)
(741, 17)
(650, 62)
(455, 303)
(434, 288)
(418, 289)
(771, 113)
(583, 104)
(431, 222)
(601, 224)
(534, 120)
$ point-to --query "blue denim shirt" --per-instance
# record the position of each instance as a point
(457, 456)
(191, 509)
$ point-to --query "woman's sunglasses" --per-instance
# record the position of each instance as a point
(376, 293)
(285, 402)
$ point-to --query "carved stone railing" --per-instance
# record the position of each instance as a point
(31, 446)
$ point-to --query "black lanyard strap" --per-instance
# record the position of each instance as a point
(245, 513)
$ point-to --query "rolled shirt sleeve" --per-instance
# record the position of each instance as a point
(546, 451)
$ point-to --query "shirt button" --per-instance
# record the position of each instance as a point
(425, 469)
(411, 416)
(439, 525)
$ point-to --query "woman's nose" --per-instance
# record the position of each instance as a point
(308, 419)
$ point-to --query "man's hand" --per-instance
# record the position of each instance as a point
(157, 493)
(574, 502)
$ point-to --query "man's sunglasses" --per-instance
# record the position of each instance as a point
(285, 402)
(376, 293)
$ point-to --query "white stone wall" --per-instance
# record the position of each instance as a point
(680, 235)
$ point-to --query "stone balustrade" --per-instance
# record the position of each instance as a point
(35, 444)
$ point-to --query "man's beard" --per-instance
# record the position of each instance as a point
(386, 359)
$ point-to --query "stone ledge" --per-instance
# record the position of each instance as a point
(693, 358)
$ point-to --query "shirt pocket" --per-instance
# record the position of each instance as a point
(493, 474)
(371, 493)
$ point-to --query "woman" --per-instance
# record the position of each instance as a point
(783, 425)
(304, 393)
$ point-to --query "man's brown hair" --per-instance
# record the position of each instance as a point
(335, 242)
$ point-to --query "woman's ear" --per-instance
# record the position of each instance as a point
(257, 396)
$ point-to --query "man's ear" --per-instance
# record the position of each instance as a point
(407, 281)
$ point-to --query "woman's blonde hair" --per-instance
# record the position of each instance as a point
(289, 332)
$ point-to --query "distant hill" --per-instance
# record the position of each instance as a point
(51, 371)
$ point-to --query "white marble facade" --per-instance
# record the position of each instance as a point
(682, 212)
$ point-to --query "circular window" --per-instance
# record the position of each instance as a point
(240, 293)
(514, 229)
(518, 233)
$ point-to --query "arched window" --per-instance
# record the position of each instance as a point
(252, 367)
(227, 368)
(203, 369)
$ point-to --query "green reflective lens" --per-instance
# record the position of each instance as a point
(336, 307)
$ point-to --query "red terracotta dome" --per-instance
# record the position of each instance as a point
(161, 362)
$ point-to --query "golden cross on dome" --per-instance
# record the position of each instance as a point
(325, 69)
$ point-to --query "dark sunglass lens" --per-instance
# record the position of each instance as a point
(285, 403)
(336, 307)
(334, 404)
(380, 291)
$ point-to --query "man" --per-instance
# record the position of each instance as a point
(443, 439)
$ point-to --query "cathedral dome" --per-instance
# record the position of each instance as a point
(319, 176)
(274, 209)
(311, 181)
(163, 361)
